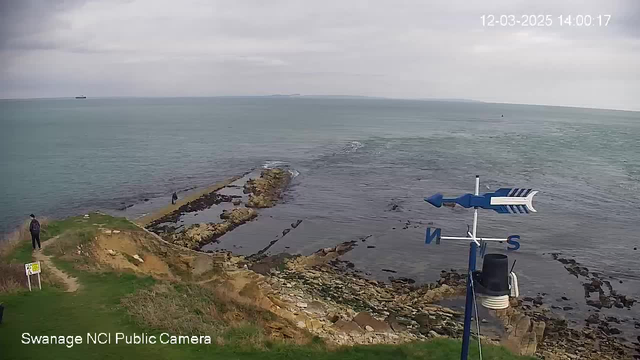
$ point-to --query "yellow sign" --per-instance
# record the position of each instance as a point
(32, 268)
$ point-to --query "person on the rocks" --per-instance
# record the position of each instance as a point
(34, 229)
(174, 198)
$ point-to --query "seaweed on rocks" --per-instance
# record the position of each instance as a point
(202, 203)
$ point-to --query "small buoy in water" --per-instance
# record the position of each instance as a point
(501, 115)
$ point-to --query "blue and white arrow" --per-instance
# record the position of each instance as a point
(503, 201)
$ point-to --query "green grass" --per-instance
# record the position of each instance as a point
(97, 308)
(23, 252)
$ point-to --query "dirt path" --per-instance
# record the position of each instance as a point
(70, 282)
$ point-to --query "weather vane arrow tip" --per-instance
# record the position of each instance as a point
(435, 200)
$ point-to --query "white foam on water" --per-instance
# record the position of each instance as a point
(270, 164)
(353, 146)
(294, 173)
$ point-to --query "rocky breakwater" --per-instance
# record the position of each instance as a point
(197, 235)
(263, 192)
(266, 190)
(331, 299)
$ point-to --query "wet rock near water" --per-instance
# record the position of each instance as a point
(198, 235)
(125, 207)
(266, 190)
(409, 224)
(365, 238)
(265, 265)
(598, 293)
(536, 331)
(394, 205)
(202, 203)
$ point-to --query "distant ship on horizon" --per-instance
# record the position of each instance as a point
(81, 97)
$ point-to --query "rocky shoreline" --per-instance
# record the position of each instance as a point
(331, 299)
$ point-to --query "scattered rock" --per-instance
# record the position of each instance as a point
(285, 232)
(401, 280)
(395, 324)
(365, 320)
(295, 225)
(389, 270)
(370, 247)
(266, 264)
(363, 239)
(347, 326)
(111, 252)
(316, 307)
(137, 257)
(537, 301)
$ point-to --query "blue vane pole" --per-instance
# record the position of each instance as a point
(468, 308)
(503, 201)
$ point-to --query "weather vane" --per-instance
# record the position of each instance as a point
(495, 282)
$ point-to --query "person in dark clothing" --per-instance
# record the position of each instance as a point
(174, 197)
(34, 229)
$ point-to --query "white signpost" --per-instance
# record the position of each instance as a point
(33, 269)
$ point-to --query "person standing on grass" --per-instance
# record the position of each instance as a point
(34, 229)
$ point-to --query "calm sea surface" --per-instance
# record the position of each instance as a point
(355, 159)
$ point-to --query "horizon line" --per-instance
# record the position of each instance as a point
(336, 97)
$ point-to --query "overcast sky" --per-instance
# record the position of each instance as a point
(396, 48)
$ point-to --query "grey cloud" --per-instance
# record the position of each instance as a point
(23, 21)
(407, 48)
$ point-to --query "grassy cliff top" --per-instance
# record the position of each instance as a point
(143, 299)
